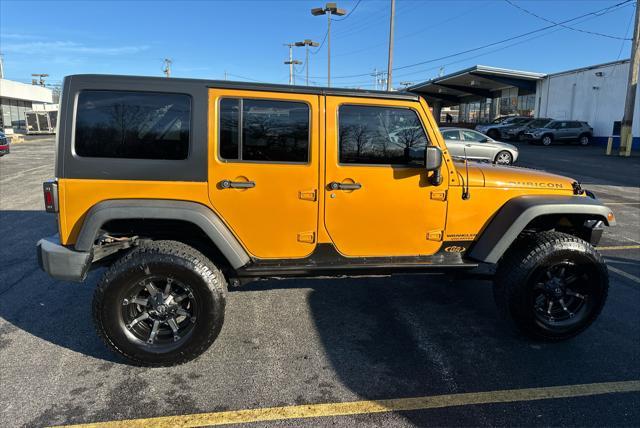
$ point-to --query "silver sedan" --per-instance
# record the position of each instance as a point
(471, 144)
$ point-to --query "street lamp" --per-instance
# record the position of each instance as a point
(329, 9)
(307, 43)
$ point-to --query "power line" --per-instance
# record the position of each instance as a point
(565, 26)
(519, 42)
(245, 78)
(350, 13)
(599, 12)
(404, 36)
(324, 39)
(625, 40)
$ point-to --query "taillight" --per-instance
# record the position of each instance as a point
(50, 189)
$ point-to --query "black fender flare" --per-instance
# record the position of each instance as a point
(517, 213)
(192, 212)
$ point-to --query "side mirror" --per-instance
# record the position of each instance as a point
(485, 140)
(432, 158)
(433, 163)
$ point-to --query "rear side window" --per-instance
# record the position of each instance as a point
(264, 130)
(379, 135)
(451, 135)
(133, 125)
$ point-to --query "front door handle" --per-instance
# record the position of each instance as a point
(228, 184)
(334, 185)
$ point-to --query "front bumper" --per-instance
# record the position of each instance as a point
(530, 137)
(61, 262)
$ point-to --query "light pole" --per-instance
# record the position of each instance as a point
(390, 63)
(329, 9)
(307, 43)
(291, 62)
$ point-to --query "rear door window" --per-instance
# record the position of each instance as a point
(134, 125)
(263, 130)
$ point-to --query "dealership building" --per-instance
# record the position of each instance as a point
(594, 94)
(18, 98)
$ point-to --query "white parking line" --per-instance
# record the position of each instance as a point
(22, 173)
(622, 203)
(625, 274)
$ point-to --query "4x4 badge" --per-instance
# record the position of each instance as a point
(455, 249)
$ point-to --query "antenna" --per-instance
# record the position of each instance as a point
(465, 188)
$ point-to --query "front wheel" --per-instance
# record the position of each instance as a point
(547, 140)
(551, 285)
(504, 158)
(162, 304)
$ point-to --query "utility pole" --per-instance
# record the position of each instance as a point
(375, 78)
(390, 65)
(167, 67)
(291, 63)
(306, 43)
(329, 9)
(626, 133)
(40, 80)
(1, 66)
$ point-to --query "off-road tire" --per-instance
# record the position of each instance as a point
(513, 286)
(180, 261)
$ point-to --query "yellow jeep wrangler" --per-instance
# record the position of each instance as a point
(180, 187)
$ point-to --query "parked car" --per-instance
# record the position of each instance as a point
(222, 182)
(495, 130)
(517, 132)
(561, 130)
(471, 144)
(4, 144)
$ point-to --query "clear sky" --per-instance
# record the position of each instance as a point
(245, 38)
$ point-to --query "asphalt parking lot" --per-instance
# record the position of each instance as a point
(307, 342)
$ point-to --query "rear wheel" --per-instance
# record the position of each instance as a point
(552, 286)
(547, 140)
(162, 304)
(504, 158)
(584, 140)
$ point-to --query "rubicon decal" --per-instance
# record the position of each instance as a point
(536, 184)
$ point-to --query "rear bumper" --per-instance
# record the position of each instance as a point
(4, 149)
(61, 262)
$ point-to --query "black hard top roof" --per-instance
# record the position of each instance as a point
(251, 86)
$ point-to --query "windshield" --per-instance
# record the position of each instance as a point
(499, 120)
(514, 120)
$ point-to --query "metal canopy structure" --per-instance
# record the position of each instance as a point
(475, 82)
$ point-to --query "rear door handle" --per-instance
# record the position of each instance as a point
(334, 185)
(228, 184)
